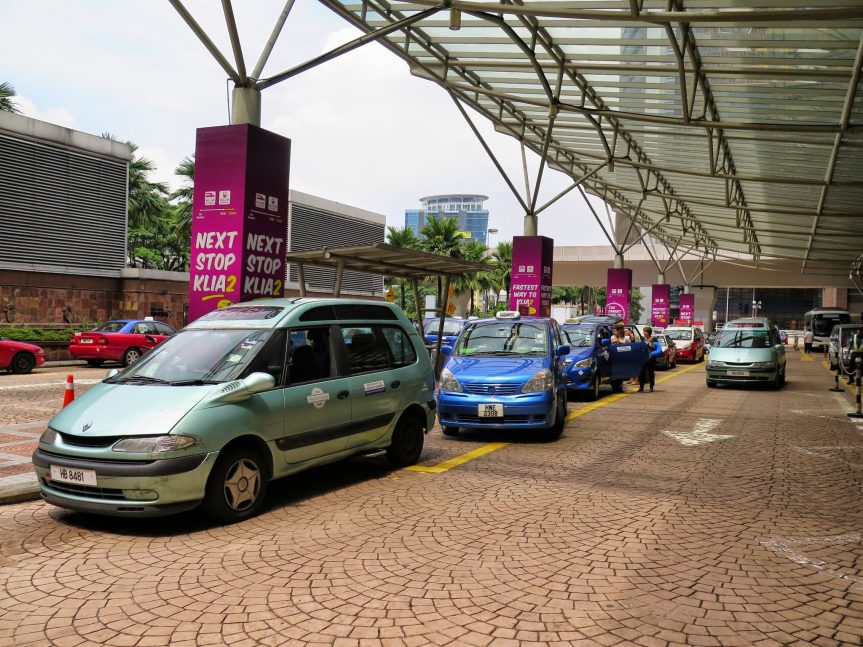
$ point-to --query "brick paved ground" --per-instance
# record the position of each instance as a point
(740, 526)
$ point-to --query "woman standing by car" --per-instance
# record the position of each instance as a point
(648, 373)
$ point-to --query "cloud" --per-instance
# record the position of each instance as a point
(59, 116)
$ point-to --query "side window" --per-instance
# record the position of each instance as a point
(367, 349)
(162, 329)
(401, 348)
(310, 355)
(270, 359)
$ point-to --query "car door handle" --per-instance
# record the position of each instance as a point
(395, 384)
(343, 394)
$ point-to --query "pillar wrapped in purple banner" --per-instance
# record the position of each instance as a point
(660, 306)
(687, 308)
(617, 292)
(530, 290)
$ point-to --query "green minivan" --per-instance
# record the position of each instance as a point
(245, 394)
(747, 351)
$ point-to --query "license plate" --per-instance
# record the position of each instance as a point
(73, 475)
(491, 411)
(86, 341)
(739, 373)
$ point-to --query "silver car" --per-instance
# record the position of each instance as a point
(747, 351)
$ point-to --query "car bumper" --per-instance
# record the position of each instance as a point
(127, 488)
(92, 351)
(755, 375)
(531, 410)
(686, 355)
(579, 378)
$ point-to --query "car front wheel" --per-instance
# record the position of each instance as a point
(711, 384)
(237, 486)
(131, 356)
(22, 363)
(407, 442)
(593, 394)
(449, 430)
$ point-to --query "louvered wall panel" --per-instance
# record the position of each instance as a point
(61, 207)
(313, 228)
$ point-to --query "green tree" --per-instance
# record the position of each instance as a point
(407, 239)
(157, 244)
(184, 195)
(635, 307)
(7, 92)
(147, 200)
(475, 252)
(442, 237)
(501, 260)
(566, 294)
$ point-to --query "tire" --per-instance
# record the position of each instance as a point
(556, 430)
(407, 442)
(237, 486)
(22, 363)
(449, 430)
(701, 357)
(782, 379)
(131, 356)
(617, 386)
(711, 384)
(593, 394)
(95, 362)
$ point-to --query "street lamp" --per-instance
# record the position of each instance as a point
(756, 306)
(488, 237)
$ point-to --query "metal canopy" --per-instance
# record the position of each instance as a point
(388, 260)
(723, 127)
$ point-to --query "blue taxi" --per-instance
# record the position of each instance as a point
(502, 373)
(451, 328)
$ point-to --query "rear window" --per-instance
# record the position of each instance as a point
(348, 312)
(111, 326)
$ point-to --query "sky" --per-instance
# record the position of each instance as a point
(364, 131)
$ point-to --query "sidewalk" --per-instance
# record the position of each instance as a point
(17, 444)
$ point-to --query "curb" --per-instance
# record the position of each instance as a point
(19, 490)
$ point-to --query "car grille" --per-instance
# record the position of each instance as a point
(511, 419)
(89, 441)
(85, 490)
(492, 389)
(738, 364)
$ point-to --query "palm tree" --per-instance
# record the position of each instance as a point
(407, 239)
(502, 262)
(442, 237)
(147, 199)
(6, 94)
(475, 252)
(184, 195)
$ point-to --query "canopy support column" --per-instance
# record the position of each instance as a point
(301, 277)
(337, 286)
(438, 363)
(419, 307)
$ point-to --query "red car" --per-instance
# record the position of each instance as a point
(689, 341)
(120, 340)
(19, 357)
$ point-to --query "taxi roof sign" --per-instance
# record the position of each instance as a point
(508, 314)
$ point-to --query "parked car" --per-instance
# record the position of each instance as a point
(668, 358)
(451, 328)
(840, 338)
(241, 396)
(689, 341)
(119, 340)
(19, 357)
(747, 351)
(502, 373)
(593, 360)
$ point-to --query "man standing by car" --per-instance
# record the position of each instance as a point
(808, 338)
(648, 373)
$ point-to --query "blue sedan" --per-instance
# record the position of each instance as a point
(504, 373)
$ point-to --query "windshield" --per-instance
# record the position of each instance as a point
(111, 326)
(679, 335)
(451, 328)
(743, 338)
(503, 338)
(579, 337)
(197, 356)
(823, 323)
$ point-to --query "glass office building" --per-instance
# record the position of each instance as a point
(467, 208)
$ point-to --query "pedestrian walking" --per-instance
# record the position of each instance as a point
(648, 372)
(808, 338)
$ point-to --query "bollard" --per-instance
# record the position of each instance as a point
(857, 379)
(836, 386)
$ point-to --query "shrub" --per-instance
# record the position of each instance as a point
(37, 334)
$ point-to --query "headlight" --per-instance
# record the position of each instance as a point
(542, 381)
(714, 363)
(154, 444)
(48, 436)
(448, 382)
(584, 363)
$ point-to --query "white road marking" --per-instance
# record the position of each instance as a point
(793, 549)
(40, 385)
(698, 436)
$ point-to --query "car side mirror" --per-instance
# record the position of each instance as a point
(446, 351)
(562, 350)
(112, 373)
(241, 390)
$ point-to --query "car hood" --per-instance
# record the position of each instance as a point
(501, 369)
(740, 355)
(129, 410)
(20, 345)
(578, 354)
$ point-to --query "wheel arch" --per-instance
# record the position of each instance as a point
(415, 411)
(251, 441)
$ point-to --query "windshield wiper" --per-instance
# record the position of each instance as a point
(142, 379)
(196, 382)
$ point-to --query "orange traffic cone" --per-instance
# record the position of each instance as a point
(69, 393)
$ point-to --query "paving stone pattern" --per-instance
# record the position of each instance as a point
(615, 534)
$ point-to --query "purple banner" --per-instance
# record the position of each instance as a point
(239, 217)
(687, 307)
(530, 291)
(659, 309)
(617, 293)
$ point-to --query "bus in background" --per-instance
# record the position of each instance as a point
(821, 321)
